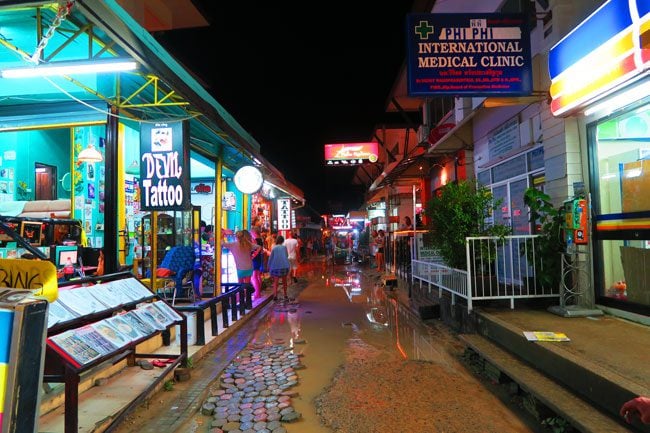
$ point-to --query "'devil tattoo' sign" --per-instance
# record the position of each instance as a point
(164, 166)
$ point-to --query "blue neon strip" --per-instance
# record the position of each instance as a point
(6, 328)
(623, 216)
(608, 21)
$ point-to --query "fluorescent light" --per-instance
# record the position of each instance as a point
(613, 103)
(70, 68)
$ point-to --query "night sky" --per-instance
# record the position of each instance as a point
(296, 80)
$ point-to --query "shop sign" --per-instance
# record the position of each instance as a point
(39, 276)
(346, 154)
(468, 55)
(201, 188)
(607, 49)
(165, 166)
(439, 131)
(284, 214)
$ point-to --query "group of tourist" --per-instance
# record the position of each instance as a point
(254, 257)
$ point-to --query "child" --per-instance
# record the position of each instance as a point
(279, 265)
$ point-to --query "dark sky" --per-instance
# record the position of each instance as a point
(298, 78)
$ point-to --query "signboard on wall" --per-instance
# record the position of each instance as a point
(468, 55)
(346, 154)
(284, 214)
(229, 201)
(165, 166)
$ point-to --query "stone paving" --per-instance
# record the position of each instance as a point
(254, 393)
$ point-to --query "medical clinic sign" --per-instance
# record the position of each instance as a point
(165, 166)
(468, 55)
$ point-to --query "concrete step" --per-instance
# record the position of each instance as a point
(600, 385)
(579, 413)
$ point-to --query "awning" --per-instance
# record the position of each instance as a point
(160, 89)
(408, 169)
(458, 138)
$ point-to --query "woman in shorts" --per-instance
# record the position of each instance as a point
(279, 265)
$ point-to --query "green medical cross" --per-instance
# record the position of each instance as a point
(424, 29)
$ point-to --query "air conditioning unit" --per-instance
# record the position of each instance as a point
(423, 134)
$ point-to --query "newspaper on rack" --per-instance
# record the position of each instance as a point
(132, 288)
(111, 334)
(108, 295)
(96, 340)
(58, 313)
(167, 310)
(152, 318)
(121, 325)
(77, 348)
(133, 319)
(80, 301)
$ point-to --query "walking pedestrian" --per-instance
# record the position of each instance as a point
(258, 256)
(380, 243)
(279, 265)
(292, 245)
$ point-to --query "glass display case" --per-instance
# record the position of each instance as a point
(171, 228)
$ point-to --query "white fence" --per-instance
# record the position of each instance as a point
(497, 268)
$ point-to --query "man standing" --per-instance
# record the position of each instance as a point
(292, 248)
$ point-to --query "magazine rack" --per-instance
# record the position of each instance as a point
(80, 324)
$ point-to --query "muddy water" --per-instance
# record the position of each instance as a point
(340, 309)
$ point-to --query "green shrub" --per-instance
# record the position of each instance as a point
(461, 210)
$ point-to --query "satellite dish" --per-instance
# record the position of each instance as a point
(66, 182)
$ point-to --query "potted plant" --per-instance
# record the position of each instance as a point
(458, 211)
(547, 222)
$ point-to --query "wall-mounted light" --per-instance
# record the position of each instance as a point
(90, 154)
(71, 68)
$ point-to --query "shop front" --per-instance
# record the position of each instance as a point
(609, 100)
(81, 146)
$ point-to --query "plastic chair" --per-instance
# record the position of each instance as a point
(179, 260)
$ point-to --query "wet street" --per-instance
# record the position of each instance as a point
(346, 356)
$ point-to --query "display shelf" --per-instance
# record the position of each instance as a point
(105, 324)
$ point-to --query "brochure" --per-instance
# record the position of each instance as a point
(122, 326)
(545, 336)
(111, 334)
(133, 319)
(77, 349)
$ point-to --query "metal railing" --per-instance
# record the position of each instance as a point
(497, 268)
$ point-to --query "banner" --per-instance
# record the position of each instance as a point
(284, 214)
(165, 166)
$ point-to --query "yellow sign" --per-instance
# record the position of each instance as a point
(39, 276)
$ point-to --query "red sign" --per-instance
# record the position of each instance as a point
(351, 153)
(202, 188)
(439, 131)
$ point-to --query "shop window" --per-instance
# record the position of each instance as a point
(620, 171)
